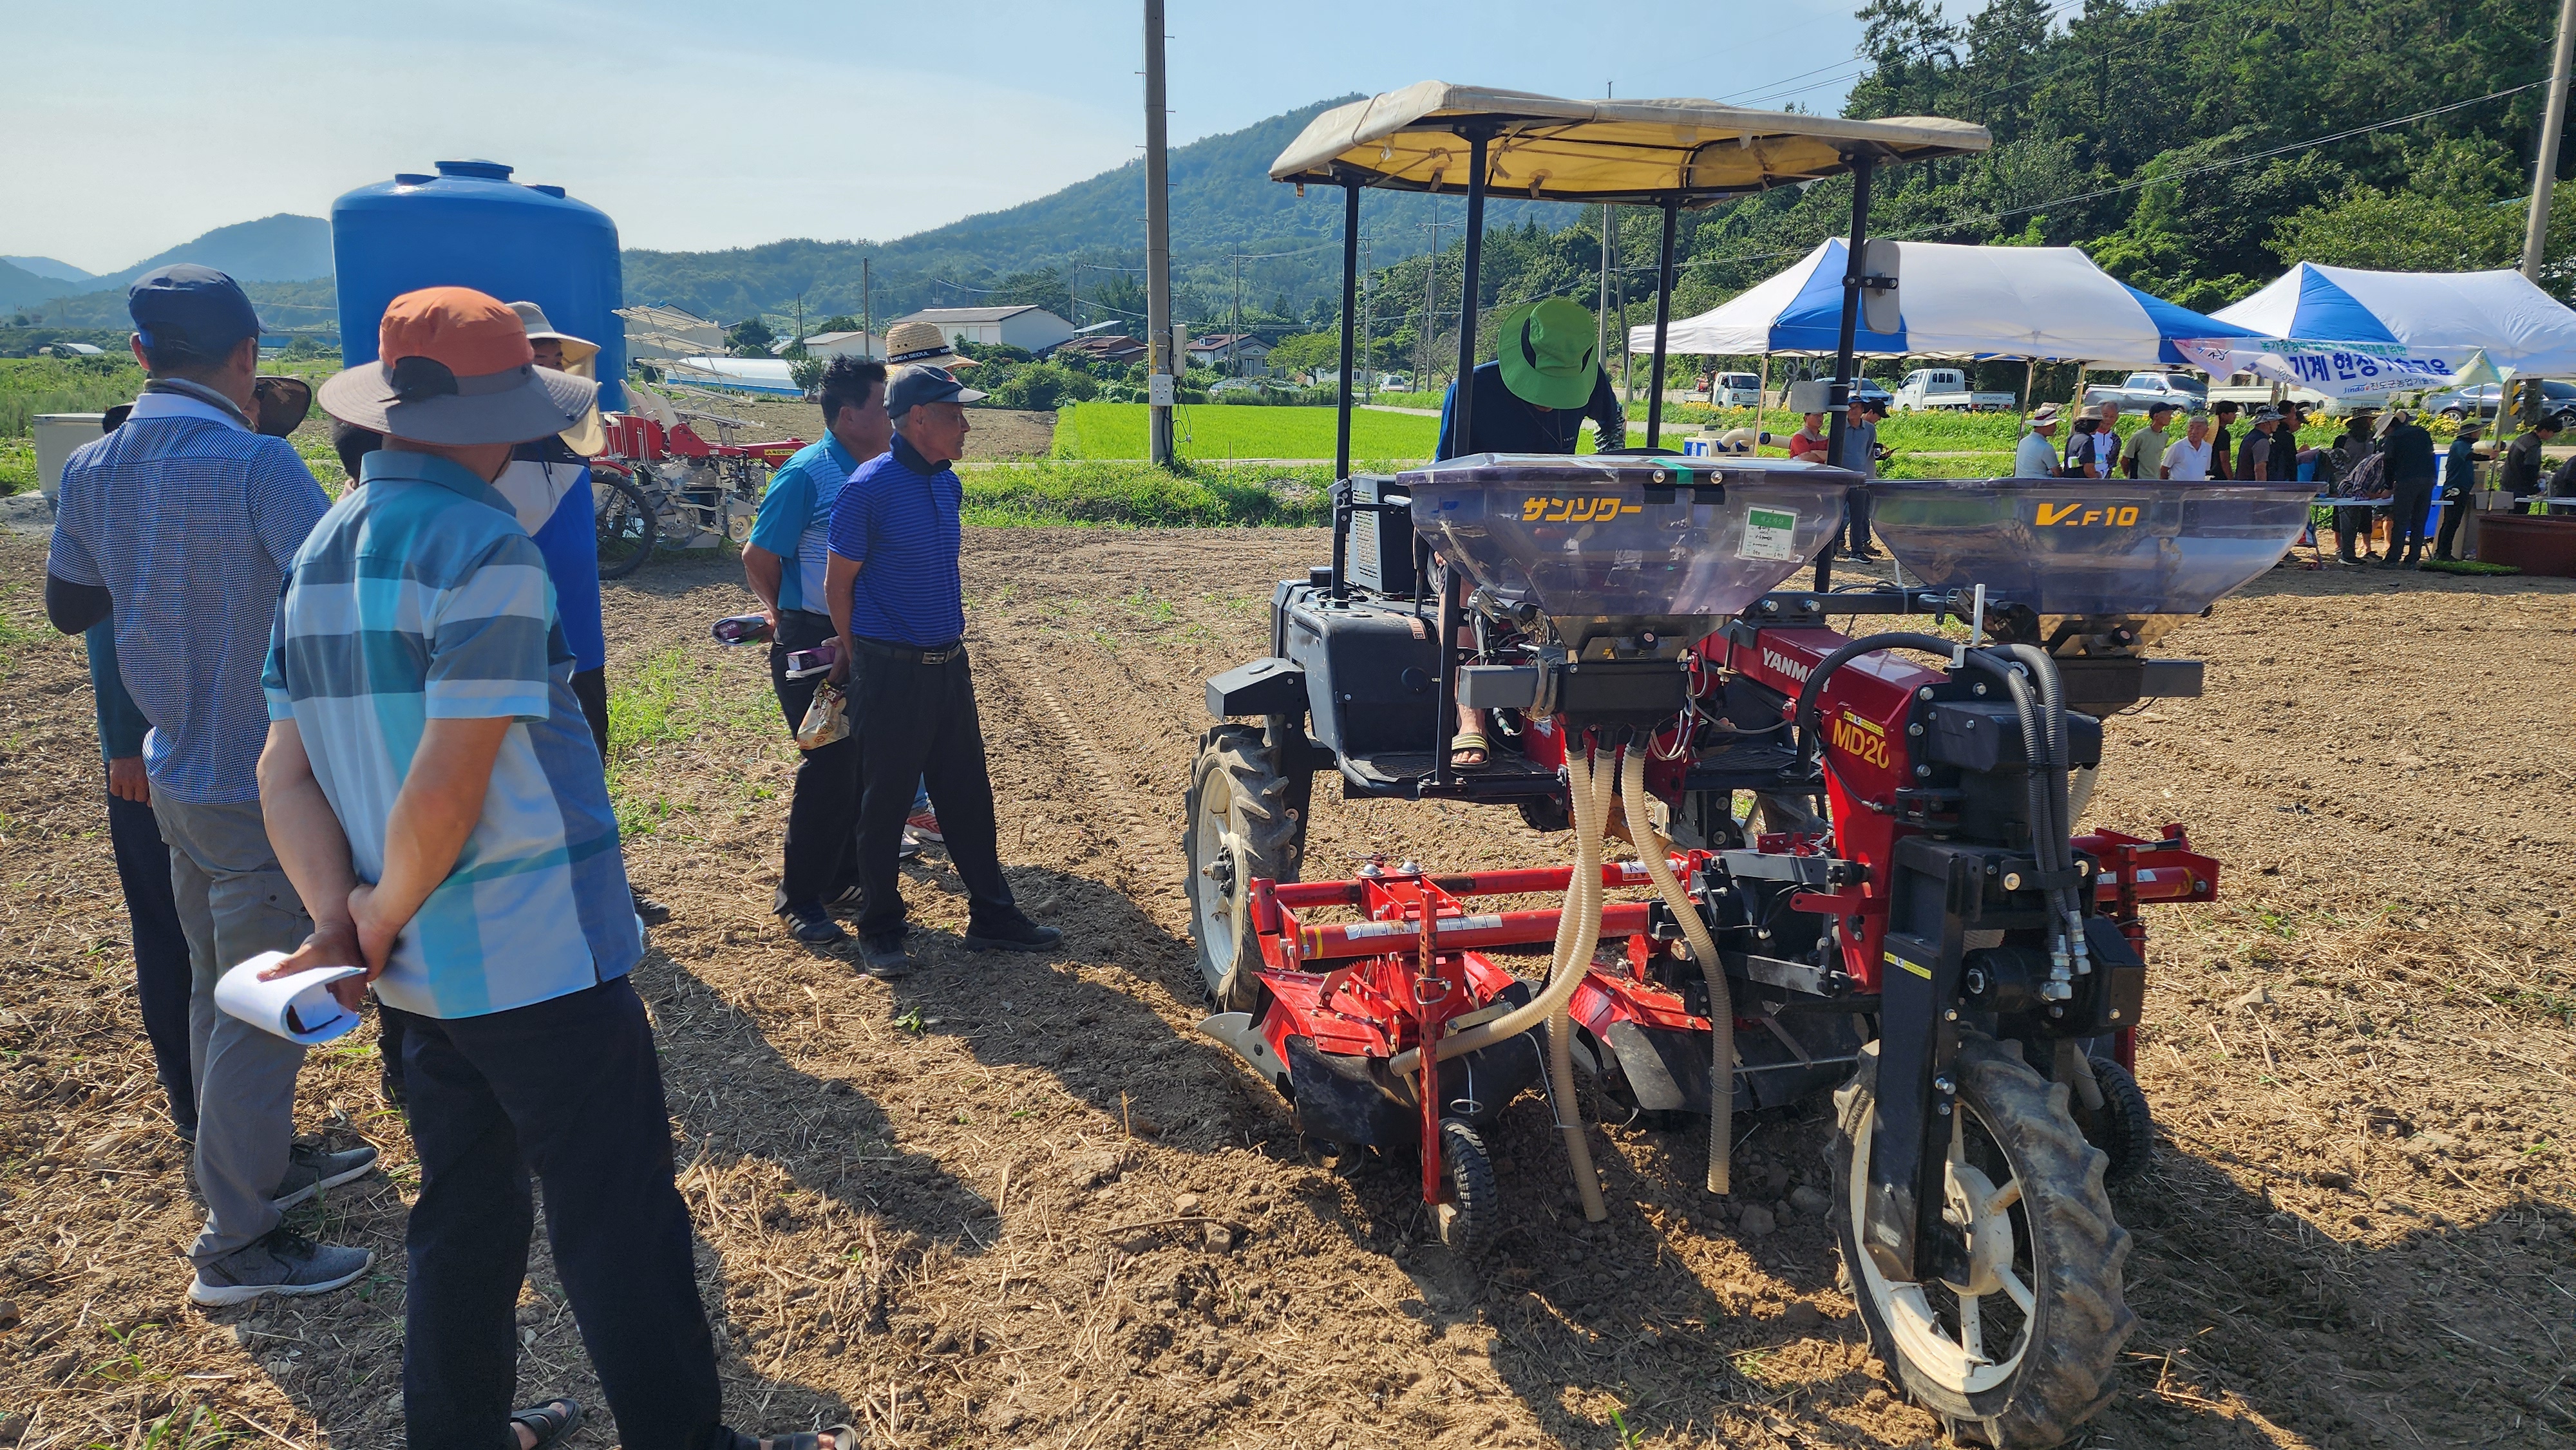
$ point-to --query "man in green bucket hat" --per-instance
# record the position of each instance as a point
(1545, 379)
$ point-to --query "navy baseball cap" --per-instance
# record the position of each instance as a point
(194, 309)
(916, 385)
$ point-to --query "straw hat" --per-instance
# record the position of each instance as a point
(589, 437)
(922, 342)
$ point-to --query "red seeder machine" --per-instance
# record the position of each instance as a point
(1858, 869)
(668, 487)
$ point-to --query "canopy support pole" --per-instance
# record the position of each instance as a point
(1761, 397)
(1463, 413)
(1837, 423)
(1342, 433)
(1350, 314)
(1663, 324)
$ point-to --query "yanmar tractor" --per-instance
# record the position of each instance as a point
(1858, 868)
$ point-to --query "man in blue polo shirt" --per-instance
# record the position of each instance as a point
(434, 792)
(784, 565)
(899, 605)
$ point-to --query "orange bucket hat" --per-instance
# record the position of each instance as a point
(453, 366)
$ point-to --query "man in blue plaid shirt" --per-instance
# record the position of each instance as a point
(179, 526)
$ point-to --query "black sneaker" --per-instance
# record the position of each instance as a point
(389, 1086)
(310, 1170)
(647, 910)
(1022, 936)
(884, 958)
(812, 925)
(283, 1262)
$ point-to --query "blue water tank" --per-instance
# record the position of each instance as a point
(472, 226)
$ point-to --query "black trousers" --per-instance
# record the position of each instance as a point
(920, 724)
(2455, 505)
(590, 687)
(1856, 520)
(2352, 526)
(822, 853)
(161, 980)
(569, 1090)
(2408, 504)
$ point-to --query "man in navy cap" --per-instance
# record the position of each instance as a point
(179, 527)
(891, 583)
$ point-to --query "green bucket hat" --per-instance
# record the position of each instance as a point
(1546, 352)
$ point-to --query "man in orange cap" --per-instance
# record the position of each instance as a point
(433, 791)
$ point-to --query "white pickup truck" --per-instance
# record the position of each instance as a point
(1945, 389)
(2141, 391)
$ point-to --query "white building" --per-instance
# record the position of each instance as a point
(1031, 328)
(845, 344)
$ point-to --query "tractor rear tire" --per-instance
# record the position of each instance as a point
(2060, 1248)
(1241, 825)
(1547, 813)
(1469, 1220)
(2123, 1129)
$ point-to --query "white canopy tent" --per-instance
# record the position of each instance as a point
(2046, 304)
(2351, 333)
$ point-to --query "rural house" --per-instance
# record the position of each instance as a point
(840, 344)
(1029, 328)
(1231, 352)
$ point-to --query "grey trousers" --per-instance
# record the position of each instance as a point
(234, 903)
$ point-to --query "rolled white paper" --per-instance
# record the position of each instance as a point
(299, 1008)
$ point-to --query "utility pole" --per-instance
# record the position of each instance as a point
(800, 319)
(867, 309)
(1368, 340)
(1234, 349)
(2544, 174)
(1158, 234)
(1430, 313)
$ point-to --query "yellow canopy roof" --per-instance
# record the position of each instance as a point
(1547, 148)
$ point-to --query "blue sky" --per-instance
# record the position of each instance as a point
(717, 124)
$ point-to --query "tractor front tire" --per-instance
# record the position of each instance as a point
(1242, 825)
(2049, 1320)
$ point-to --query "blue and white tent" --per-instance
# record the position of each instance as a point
(2428, 324)
(2048, 304)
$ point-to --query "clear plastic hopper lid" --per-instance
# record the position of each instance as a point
(2089, 546)
(1649, 542)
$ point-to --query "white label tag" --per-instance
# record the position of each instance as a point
(1768, 534)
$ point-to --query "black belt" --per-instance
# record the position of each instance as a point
(913, 654)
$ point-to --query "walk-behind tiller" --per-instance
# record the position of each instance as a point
(1872, 883)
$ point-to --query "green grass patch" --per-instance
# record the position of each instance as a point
(33, 385)
(2468, 566)
(1140, 495)
(17, 465)
(671, 697)
(1215, 433)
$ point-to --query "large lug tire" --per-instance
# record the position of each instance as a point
(1241, 825)
(2122, 1128)
(1547, 813)
(1473, 1212)
(2046, 1314)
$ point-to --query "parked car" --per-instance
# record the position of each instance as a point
(1395, 382)
(1735, 390)
(1945, 390)
(2140, 391)
(2483, 400)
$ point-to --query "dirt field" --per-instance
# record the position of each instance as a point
(1023, 1203)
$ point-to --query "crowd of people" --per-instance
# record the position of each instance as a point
(372, 734)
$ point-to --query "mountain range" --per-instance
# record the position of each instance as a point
(1087, 240)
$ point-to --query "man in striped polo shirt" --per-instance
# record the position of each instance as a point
(432, 788)
(899, 604)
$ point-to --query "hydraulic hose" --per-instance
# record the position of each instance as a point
(1656, 853)
(1578, 931)
(2052, 692)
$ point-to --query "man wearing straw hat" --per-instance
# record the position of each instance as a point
(922, 344)
(433, 792)
(2037, 456)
